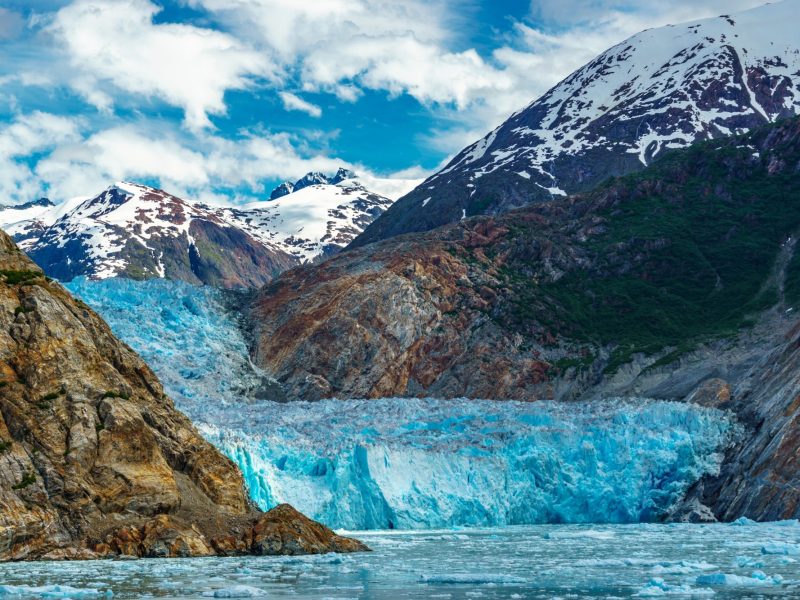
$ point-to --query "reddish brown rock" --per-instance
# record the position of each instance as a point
(284, 530)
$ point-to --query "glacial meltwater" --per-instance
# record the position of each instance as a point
(457, 498)
(540, 561)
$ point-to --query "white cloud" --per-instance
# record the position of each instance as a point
(342, 46)
(114, 46)
(43, 154)
(26, 135)
(294, 102)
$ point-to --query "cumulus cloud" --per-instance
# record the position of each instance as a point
(294, 102)
(342, 46)
(114, 46)
(44, 154)
(35, 133)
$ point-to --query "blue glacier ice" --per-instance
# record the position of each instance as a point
(411, 463)
(184, 332)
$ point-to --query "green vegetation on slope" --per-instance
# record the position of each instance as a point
(686, 255)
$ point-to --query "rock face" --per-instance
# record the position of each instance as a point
(663, 88)
(678, 283)
(760, 478)
(593, 293)
(95, 460)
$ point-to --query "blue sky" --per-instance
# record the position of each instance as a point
(222, 99)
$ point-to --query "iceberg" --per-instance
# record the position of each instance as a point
(782, 548)
(399, 463)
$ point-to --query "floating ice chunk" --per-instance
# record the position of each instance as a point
(745, 561)
(52, 591)
(682, 567)
(237, 591)
(745, 522)
(758, 578)
(784, 548)
(658, 587)
(472, 579)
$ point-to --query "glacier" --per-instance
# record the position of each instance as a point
(399, 463)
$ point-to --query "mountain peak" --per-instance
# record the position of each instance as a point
(312, 178)
(343, 175)
(660, 89)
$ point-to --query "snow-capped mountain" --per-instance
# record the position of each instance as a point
(137, 231)
(26, 222)
(660, 89)
(319, 217)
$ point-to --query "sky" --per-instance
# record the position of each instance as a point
(220, 100)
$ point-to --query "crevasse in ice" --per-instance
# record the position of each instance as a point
(411, 463)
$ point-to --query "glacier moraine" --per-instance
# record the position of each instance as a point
(411, 463)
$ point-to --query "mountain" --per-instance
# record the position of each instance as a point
(312, 178)
(95, 461)
(660, 89)
(137, 231)
(26, 222)
(679, 283)
(317, 218)
(639, 270)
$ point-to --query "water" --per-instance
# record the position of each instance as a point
(544, 561)
(407, 464)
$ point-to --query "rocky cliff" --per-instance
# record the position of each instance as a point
(554, 299)
(96, 461)
(660, 89)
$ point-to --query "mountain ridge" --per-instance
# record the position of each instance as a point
(662, 88)
(138, 231)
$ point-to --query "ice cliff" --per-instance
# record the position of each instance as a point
(409, 463)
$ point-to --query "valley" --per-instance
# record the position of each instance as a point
(564, 364)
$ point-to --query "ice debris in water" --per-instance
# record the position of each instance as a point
(784, 548)
(758, 578)
(237, 591)
(658, 587)
(745, 522)
(401, 463)
(471, 579)
(52, 591)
